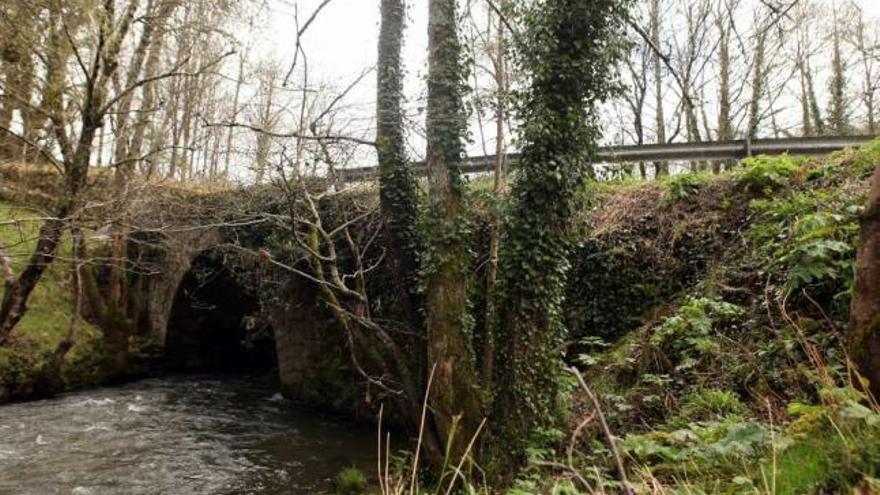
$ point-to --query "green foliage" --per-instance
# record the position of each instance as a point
(398, 191)
(612, 284)
(809, 237)
(705, 444)
(351, 481)
(764, 174)
(682, 186)
(829, 448)
(704, 405)
(816, 254)
(569, 50)
(861, 162)
(690, 335)
(591, 350)
(687, 382)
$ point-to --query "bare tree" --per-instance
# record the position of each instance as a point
(267, 117)
(759, 80)
(77, 105)
(111, 30)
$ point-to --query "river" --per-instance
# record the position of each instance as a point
(177, 435)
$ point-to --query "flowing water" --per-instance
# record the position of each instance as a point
(179, 435)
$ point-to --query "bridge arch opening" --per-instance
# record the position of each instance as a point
(214, 324)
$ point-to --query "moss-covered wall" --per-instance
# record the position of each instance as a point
(641, 246)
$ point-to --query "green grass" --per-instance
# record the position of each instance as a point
(47, 320)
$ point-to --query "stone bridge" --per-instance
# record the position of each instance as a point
(190, 298)
(194, 301)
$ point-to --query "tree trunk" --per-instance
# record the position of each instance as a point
(487, 368)
(806, 118)
(455, 397)
(76, 166)
(758, 83)
(838, 120)
(230, 136)
(16, 294)
(397, 187)
(818, 121)
(864, 339)
(573, 51)
(725, 125)
(660, 168)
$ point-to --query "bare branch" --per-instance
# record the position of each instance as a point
(35, 146)
(172, 73)
(298, 135)
(299, 34)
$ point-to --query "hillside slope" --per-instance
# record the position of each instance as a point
(709, 313)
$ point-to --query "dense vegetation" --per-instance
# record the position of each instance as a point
(701, 332)
(723, 367)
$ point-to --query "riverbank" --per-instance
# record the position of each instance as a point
(24, 362)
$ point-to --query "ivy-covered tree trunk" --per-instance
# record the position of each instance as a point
(759, 82)
(660, 168)
(838, 120)
(864, 342)
(397, 188)
(570, 49)
(455, 394)
(725, 121)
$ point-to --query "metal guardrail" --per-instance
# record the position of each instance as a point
(720, 150)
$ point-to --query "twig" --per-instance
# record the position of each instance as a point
(33, 145)
(294, 134)
(379, 450)
(415, 466)
(612, 444)
(464, 457)
(299, 35)
(666, 61)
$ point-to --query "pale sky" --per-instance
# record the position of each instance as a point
(341, 44)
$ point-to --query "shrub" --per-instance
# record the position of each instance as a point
(829, 449)
(683, 186)
(704, 405)
(766, 173)
(351, 481)
(690, 334)
(821, 249)
(808, 237)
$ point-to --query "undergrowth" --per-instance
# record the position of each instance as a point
(733, 379)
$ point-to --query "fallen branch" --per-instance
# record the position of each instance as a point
(612, 443)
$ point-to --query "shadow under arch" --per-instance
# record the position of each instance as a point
(214, 325)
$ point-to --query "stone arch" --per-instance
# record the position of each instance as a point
(214, 323)
(168, 258)
(309, 349)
